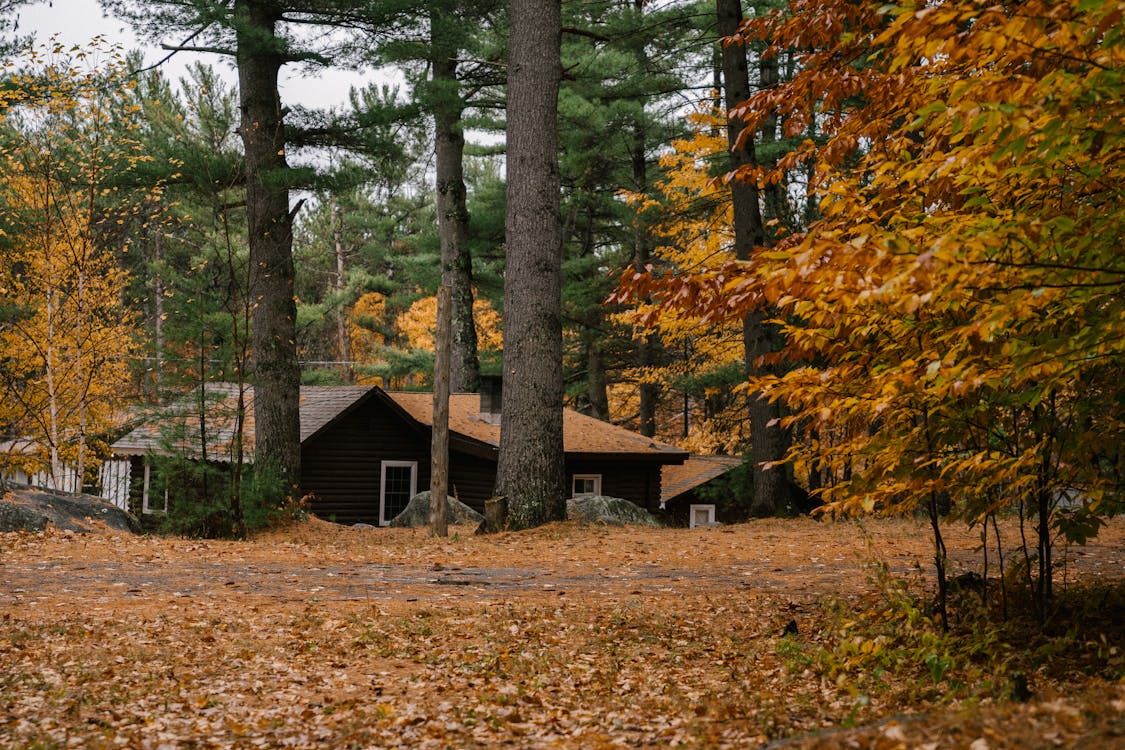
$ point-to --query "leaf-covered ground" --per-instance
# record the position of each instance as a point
(565, 636)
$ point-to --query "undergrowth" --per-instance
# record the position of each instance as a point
(892, 644)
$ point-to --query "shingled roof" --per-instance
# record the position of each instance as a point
(178, 426)
(675, 480)
(582, 435)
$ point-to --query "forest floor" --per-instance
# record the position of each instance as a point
(565, 636)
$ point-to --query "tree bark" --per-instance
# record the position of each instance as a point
(597, 387)
(648, 347)
(530, 472)
(154, 382)
(439, 439)
(767, 440)
(343, 349)
(277, 375)
(452, 210)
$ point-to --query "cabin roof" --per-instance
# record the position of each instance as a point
(677, 479)
(582, 435)
(178, 426)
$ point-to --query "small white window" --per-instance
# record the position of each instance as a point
(701, 515)
(148, 503)
(587, 484)
(398, 483)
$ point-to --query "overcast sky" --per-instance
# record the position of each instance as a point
(77, 21)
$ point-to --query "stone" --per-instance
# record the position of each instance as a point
(612, 511)
(417, 513)
(27, 509)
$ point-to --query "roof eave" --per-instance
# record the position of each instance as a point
(667, 457)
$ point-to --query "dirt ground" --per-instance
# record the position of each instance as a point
(565, 636)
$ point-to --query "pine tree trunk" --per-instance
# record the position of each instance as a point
(530, 473)
(767, 441)
(452, 210)
(597, 388)
(277, 374)
(157, 313)
(439, 437)
(648, 347)
(343, 350)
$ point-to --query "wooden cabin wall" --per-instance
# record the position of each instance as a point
(635, 481)
(341, 468)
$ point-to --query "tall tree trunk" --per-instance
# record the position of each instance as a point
(531, 473)
(648, 349)
(157, 312)
(343, 350)
(50, 374)
(277, 375)
(439, 436)
(767, 441)
(597, 387)
(452, 210)
(82, 395)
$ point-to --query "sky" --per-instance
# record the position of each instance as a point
(77, 21)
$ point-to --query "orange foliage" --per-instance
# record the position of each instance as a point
(418, 321)
(693, 228)
(956, 316)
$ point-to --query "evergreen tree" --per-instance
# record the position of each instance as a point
(629, 65)
(262, 36)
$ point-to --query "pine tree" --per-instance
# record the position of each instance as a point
(262, 36)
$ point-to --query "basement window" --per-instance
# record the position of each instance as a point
(701, 515)
(586, 484)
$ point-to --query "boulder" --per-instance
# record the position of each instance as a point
(417, 513)
(28, 509)
(612, 511)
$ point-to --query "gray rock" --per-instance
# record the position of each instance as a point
(612, 511)
(30, 510)
(417, 512)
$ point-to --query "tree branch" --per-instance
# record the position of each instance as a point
(175, 49)
(586, 33)
(209, 50)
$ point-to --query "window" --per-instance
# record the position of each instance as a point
(701, 515)
(587, 484)
(151, 495)
(398, 480)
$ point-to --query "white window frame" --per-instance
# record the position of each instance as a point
(145, 507)
(693, 509)
(597, 479)
(383, 465)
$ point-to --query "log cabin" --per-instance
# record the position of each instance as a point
(365, 451)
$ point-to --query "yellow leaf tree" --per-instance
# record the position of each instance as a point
(66, 336)
(690, 217)
(955, 319)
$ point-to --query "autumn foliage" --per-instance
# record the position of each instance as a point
(954, 319)
(690, 219)
(65, 334)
